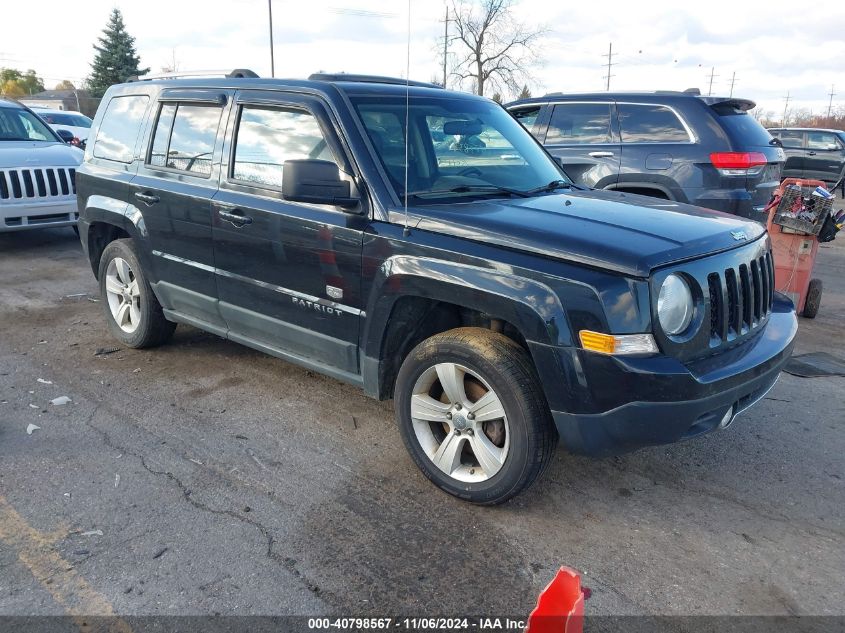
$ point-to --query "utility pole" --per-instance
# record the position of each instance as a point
(830, 103)
(785, 106)
(445, 44)
(272, 56)
(733, 81)
(712, 75)
(609, 64)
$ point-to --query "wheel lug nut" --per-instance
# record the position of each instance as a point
(470, 432)
(470, 416)
(458, 406)
(449, 416)
(457, 431)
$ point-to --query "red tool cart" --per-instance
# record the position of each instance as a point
(797, 214)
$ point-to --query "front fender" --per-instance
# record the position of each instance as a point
(530, 306)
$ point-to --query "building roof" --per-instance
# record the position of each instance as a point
(52, 95)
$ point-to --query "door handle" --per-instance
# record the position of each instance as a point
(601, 154)
(235, 217)
(147, 198)
(811, 153)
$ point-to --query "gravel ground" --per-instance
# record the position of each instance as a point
(203, 477)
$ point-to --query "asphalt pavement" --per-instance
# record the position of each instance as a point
(204, 478)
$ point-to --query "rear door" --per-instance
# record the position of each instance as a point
(289, 273)
(793, 147)
(583, 136)
(173, 190)
(824, 156)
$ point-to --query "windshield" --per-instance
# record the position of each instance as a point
(74, 120)
(22, 125)
(459, 148)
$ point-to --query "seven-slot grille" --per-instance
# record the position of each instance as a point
(740, 298)
(37, 182)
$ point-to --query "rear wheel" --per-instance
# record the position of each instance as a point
(814, 299)
(133, 313)
(472, 415)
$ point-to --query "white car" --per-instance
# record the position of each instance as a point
(37, 172)
(75, 122)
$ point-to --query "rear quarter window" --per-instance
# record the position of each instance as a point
(119, 128)
(742, 128)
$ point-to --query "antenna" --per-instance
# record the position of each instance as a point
(407, 231)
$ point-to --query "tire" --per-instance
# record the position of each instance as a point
(516, 447)
(142, 320)
(814, 299)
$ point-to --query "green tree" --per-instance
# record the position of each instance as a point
(525, 93)
(65, 84)
(14, 83)
(116, 59)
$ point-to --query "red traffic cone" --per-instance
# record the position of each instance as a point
(560, 606)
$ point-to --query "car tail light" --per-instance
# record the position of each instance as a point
(739, 163)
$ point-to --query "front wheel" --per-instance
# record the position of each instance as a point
(472, 415)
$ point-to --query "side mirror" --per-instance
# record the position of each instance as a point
(316, 182)
(65, 135)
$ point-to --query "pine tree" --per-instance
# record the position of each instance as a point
(116, 59)
(526, 93)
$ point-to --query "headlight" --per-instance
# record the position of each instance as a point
(674, 305)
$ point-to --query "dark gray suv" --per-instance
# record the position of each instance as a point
(680, 146)
(813, 153)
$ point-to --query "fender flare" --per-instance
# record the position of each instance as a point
(529, 305)
(118, 213)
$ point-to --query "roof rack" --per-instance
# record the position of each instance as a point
(370, 79)
(237, 73)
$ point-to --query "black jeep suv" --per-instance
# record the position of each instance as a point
(813, 154)
(681, 146)
(460, 273)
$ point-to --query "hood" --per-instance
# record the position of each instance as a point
(25, 154)
(623, 232)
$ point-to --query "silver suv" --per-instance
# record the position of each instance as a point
(37, 172)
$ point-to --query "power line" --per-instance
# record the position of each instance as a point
(712, 75)
(785, 106)
(610, 64)
(830, 103)
(733, 81)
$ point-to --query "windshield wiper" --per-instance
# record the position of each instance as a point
(554, 184)
(470, 189)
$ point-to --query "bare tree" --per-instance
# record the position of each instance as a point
(498, 49)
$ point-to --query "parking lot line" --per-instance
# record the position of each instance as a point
(56, 575)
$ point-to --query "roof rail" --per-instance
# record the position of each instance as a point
(237, 73)
(370, 79)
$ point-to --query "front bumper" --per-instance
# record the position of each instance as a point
(38, 214)
(658, 400)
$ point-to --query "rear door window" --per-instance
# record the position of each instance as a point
(822, 141)
(790, 138)
(527, 116)
(579, 123)
(119, 128)
(650, 123)
(184, 137)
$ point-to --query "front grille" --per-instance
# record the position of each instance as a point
(36, 183)
(740, 298)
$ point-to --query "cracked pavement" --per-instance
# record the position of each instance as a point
(226, 481)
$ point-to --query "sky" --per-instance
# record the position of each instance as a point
(771, 48)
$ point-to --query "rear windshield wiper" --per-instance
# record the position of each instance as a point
(469, 189)
(776, 141)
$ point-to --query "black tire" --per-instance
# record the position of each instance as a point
(153, 328)
(509, 372)
(814, 299)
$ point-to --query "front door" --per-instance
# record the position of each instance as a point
(288, 273)
(173, 190)
(582, 136)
